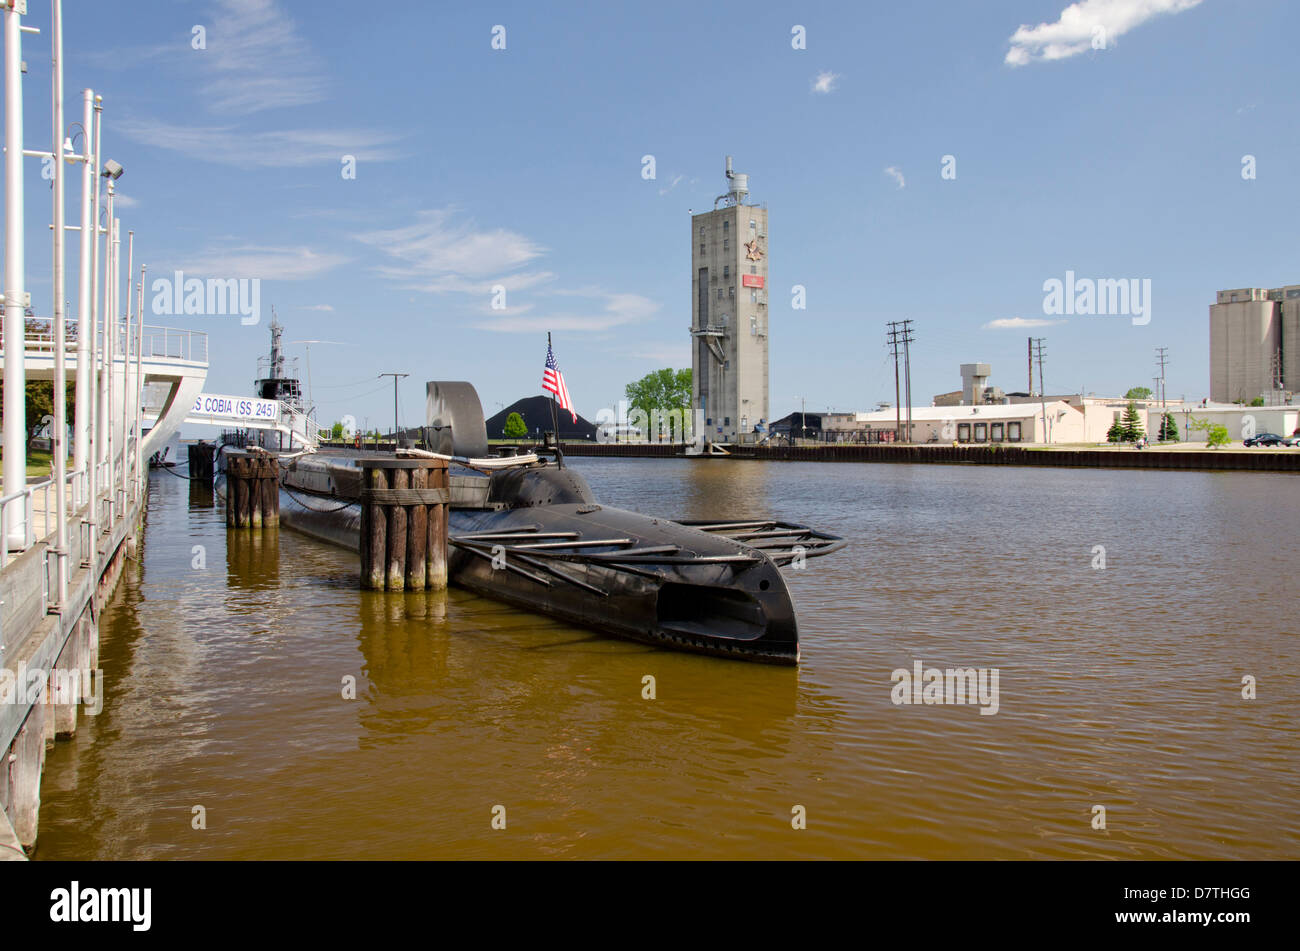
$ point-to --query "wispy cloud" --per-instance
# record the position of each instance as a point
(897, 176)
(449, 255)
(125, 201)
(611, 310)
(1019, 323)
(677, 179)
(266, 263)
(258, 60)
(441, 253)
(325, 307)
(281, 148)
(1082, 23)
(825, 82)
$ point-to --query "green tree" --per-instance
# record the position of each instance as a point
(1168, 428)
(662, 391)
(39, 403)
(1116, 432)
(336, 431)
(1216, 434)
(1131, 422)
(1138, 393)
(515, 427)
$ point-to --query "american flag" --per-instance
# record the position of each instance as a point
(553, 382)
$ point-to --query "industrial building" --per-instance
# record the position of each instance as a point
(729, 314)
(1255, 345)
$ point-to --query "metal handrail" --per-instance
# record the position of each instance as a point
(157, 342)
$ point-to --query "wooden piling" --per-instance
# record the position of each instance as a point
(417, 534)
(252, 491)
(404, 523)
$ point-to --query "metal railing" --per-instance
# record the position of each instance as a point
(26, 497)
(157, 343)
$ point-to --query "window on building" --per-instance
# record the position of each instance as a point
(726, 270)
(753, 269)
(1013, 432)
(701, 250)
(701, 231)
(726, 421)
(753, 326)
(726, 227)
(995, 432)
(753, 296)
(726, 245)
(731, 292)
(753, 225)
(963, 432)
(719, 293)
(981, 432)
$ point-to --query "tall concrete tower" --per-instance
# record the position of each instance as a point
(729, 313)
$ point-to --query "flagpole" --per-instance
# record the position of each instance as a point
(555, 422)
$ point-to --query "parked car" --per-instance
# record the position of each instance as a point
(1263, 439)
(1292, 440)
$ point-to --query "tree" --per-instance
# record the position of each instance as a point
(336, 431)
(1116, 432)
(1216, 434)
(1131, 422)
(40, 404)
(1138, 393)
(515, 427)
(1168, 428)
(662, 391)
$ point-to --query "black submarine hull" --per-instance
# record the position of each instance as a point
(534, 537)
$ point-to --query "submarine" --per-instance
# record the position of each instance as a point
(527, 530)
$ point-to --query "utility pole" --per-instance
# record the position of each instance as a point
(1162, 358)
(1036, 352)
(396, 377)
(893, 342)
(1031, 366)
(907, 373)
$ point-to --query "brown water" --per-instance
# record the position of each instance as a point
(1118, 687)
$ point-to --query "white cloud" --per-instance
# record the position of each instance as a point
(671, 185)
(266, 263)
(258, 60)
(825, 82)
(1019, 323)
(125, 201)
(453, 255)
(325, 307)
(614, 310)
(442, 255)
(897, 176)
(1083, 23)
(280, 148)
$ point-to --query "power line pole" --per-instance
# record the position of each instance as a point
(396, 377)
(908, 337)
(1162, 358)
(1036, 345)
(893, 342)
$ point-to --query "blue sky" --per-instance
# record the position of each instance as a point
(523, 167)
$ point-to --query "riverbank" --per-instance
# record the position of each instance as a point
(1166, 457)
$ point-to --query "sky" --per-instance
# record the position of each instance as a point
(383, 169)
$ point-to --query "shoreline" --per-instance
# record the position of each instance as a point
(1248, 460)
